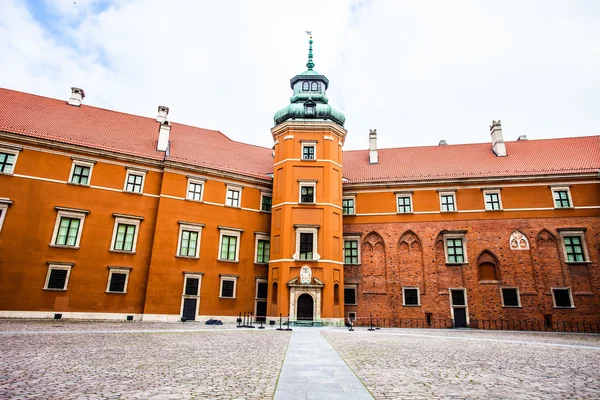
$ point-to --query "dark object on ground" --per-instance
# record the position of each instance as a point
(213, 322)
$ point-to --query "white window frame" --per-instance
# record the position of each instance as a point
(4, 204)
(14, 151)
(265, 194)
(465, 306)
(261, 236)
(448, 193)
(353, 198)
(227, 231)
(133, 171)
(308, 144)
(351, 238)
(578, 233)
(184, 296)
(493, 191)
(119, 270)
(404, 296)
(88, 164)
(307, 229)
(355, 288)
(191, 227)
(196, 181)
(464, 246)
(58, 266)
(68, 213)
(312, 184)
(234, 189)
(518, 296)
(225, 277)
(121, 219)
(412, 206)
(552, 289)
(562, 189)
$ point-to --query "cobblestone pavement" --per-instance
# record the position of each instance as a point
(210, 364)
(420, 364)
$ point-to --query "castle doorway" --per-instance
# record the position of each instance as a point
(305, 307)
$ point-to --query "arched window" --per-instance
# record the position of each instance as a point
(305, 86)
(274, 294)
(518, 241)
(314, 87)
(336, 295)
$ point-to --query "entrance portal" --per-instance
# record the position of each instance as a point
(305, 307)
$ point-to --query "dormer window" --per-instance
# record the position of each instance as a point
(314, 87)
(310, 109)
(305, 86)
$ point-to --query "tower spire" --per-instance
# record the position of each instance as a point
(310, 64)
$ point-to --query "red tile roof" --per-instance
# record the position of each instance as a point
(98, 128)
(525, 157)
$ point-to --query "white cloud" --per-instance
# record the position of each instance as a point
(418, 72)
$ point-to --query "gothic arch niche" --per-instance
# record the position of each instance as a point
(518, 241)
(410, 261)
(487, 266)
(409, 242)
(374, 264)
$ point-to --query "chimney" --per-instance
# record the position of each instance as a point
(163, 136)
(163, 111)
(498, 146)
(373, 157)
(442, 143)
(77, 96)
(522, 137)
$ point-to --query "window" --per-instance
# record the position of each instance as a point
(194, 189)
(134, 181)
(574, 245)
(68, 227)
(189, 239)
(456, 252)
(410, 296)
(260, 306)
(458, 297)
(352, 316)
(562, 197)
(305, 86)
(447, 202)
(562, 297)
(125, 233)
(8, 159)
(81, 172)
(234, 196)
(348, 206)
(308, 151)
(57, 277)
(190, 299)
(306, 242)
(4, 204)
(192, 286)
(350, 295)
(310, 109)
(118, 277)
(228, 286)
(263, 249)
(492, 200)
(266, 202)
(404, 203)
(307, 192)
(510, 297)
(229, 244)
(351, 251)
(314, 87)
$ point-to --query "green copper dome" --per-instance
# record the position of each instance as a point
(309, 100)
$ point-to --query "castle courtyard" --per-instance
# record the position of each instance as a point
(47, 359)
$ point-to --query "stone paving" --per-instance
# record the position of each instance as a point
(420, 364)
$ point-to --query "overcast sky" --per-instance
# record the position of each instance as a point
(418, 72)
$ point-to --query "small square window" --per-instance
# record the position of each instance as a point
(404, 203)
(510, 297)
(117, 280)
(134, 181)
(574, 245)
(308, 150)
(492, 200)
(562, 297)
(194, 189)
(266, 202)
(125, 234)
(192, 286)
(234, 196)
(455, 250)
(351, 252)
(348, 206)
(350, 295)
(81, 173)
(447, 202)
(57, 277)
(562, 197)
(307, 192)
(68, 228)
(410, 296)
(8, 159)
(228, 286)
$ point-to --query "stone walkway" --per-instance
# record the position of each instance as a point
(313, 370)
